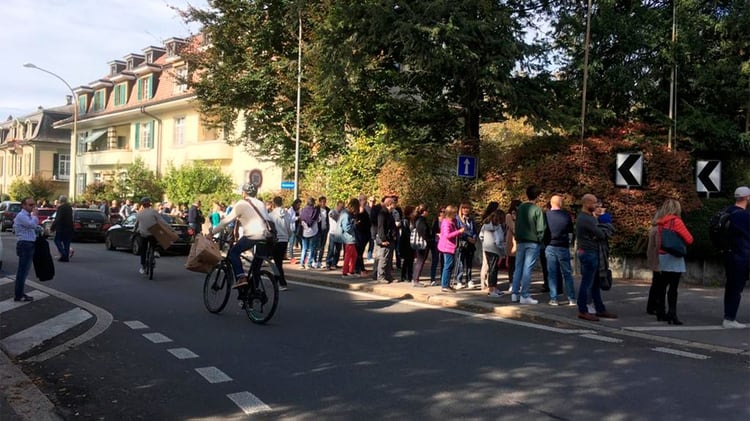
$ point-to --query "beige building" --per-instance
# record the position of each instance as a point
(30, 146)
(141, 109)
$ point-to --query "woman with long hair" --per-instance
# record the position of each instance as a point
(404, 245)
(667, 267)
(347, 224)
(447, 245)
(423, 236)
(493, 245)
(436, 257)
(484, 271)
(510, 239)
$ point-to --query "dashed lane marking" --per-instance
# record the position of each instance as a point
(213, 375)
(26, 339)
(681, 353)
(602, 338)
(248, 403)
(673, 328)
(135, 325)
(11, 304)
(182, 353)
(157, 338)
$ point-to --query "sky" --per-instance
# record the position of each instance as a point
(75, 39)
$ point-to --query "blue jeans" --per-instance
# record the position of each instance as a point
(559, 258)
(436, 257)
(62, 241)
(526, 257)
(448, 260)
(238, 248)
(309, 247)
(589, 279)
(334, 253)
(25, 253)
(292, 239)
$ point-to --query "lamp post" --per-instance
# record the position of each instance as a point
(74, 143)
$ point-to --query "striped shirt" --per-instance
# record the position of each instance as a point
(25, 226)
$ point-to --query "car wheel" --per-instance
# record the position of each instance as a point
(136, 247)
(108, 243)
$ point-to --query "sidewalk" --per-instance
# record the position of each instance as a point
(699, 308)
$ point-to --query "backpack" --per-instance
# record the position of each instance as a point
(415, 240)
(718, 230)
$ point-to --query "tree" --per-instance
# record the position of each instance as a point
(136, 180)
(98, 191)
(186, 183)
(38, 188)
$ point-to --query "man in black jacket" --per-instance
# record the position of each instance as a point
(386, 241)
(63, 228)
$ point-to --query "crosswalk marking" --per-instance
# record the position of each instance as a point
(6, 280)
(157, 338)
(213, 375)
(11, 304)
(248, 403)
(26, 339)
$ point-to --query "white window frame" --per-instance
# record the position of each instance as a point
(63, 166)
(179, 131)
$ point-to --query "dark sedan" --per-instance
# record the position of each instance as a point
(88, 224)
(122, 235)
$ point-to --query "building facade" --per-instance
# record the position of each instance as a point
(144, 110)
(32, 146)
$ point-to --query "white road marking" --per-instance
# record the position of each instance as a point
(673, 328)
(681, 353)
(26, 339)
(6, 280)
(484, 316)
(248, 403)
(182, 353)
(213, 375)
(156, 338)
(602, 338)
(135, 324)
(11, 304)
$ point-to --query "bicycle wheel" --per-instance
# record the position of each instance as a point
(261, 302)
(216, 288)
(150, 261)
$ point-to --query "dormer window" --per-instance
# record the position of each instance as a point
(99, 100)
(145, 88)
(121, 94)
(149, 57)
(113, 70)
(82, 103)
(180, 79)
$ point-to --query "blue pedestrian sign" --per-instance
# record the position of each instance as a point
(287, 185)
(467, 166)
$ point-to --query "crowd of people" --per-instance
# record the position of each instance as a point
(383, 233)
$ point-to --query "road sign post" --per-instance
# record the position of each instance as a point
(467, 166)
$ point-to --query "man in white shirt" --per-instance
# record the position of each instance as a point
(251, 214)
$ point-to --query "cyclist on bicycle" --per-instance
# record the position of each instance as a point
(146, 218)
(252, 225)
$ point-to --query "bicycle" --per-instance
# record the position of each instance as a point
(259, 298)
(150, 244)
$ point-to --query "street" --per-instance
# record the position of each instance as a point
(333, 354)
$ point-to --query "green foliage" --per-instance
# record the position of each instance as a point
(37, 187)
(198, 180)
(97, 191)
(136, 181)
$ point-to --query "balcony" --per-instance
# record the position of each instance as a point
(107, 157)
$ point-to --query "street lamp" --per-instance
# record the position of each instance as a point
(74, 144)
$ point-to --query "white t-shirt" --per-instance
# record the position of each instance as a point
(251, 221)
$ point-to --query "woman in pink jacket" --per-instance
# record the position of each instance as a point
(447, 245)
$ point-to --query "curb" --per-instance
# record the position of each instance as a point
(510, 312)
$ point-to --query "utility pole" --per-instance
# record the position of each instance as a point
(672, 135)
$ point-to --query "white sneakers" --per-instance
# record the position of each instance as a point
(472, 285)
(495, 294)
(554, 302)
(142, 271)
(528, 300)
(733, 324)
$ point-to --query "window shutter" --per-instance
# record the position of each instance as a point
(150, 93)
(151, 134)
(137, 135)
(140, 89)
(56, 165)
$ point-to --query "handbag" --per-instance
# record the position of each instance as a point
(605, 283)
(671, 242)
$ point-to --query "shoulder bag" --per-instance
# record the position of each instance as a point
(671, 242)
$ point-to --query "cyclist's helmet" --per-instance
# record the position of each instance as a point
(250, 188)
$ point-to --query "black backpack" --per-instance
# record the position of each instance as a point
(718, 230)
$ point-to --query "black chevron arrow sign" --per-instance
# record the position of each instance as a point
(708, 176)
(629, 170)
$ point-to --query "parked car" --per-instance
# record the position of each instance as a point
(123, 235)
(8, 211)
(88, 224)
(44, 213)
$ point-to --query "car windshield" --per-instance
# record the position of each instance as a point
(172, 220)
(14, 207)
(92, 215)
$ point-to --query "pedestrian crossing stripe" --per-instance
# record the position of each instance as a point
(11, 304)
(33, 336)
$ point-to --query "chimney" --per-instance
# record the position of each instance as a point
(68, 99)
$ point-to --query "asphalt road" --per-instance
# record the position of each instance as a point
(330, 354)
